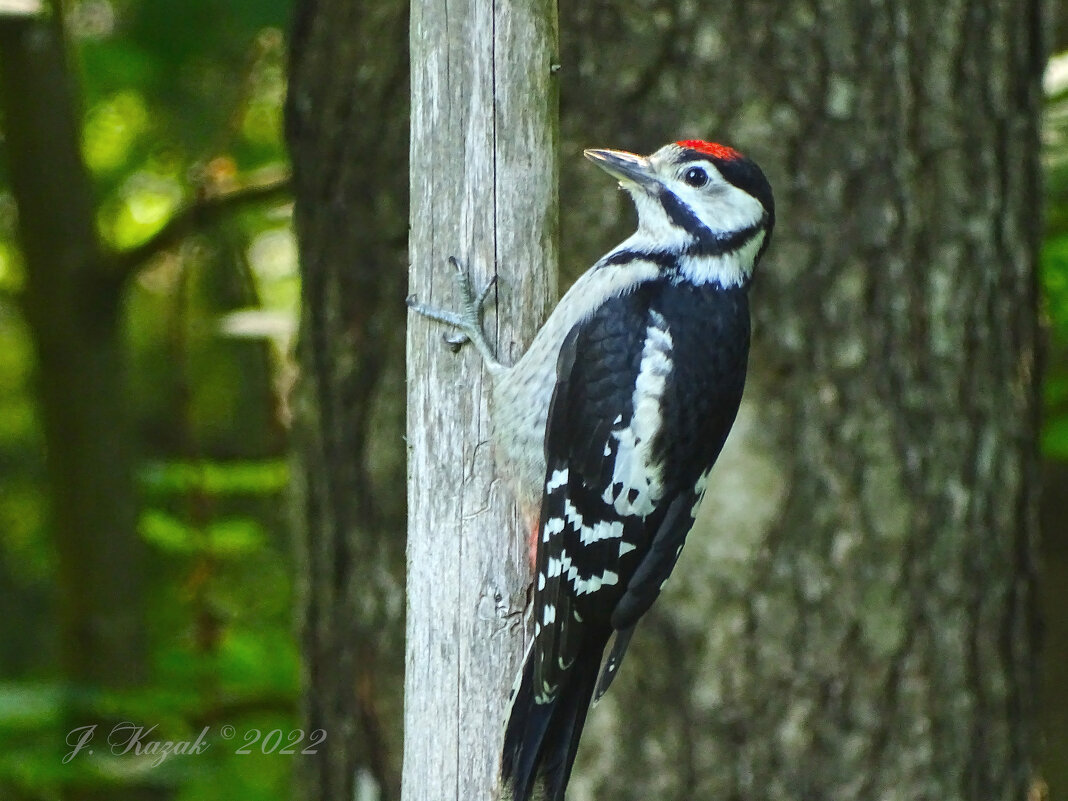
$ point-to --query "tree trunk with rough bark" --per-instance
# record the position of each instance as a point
(854, 618)
(483, 189)
(347, 132)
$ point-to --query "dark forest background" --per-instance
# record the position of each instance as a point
(148, 569)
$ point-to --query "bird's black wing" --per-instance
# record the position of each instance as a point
(640, 411)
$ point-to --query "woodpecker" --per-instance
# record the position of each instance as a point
(609, 424)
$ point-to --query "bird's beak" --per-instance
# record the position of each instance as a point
(627, 167)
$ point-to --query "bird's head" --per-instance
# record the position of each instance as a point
(695, 197)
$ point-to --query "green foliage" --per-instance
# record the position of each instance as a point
(178, 94)
(221, 538)
(266, 476)
(181, 99)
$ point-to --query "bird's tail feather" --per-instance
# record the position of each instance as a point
(541, 740)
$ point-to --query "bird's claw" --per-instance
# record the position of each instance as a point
(468, 321)
(455, 341)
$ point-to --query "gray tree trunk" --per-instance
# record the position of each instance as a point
(855, 618)
(483, 189)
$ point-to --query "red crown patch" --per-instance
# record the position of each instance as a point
(710, 148)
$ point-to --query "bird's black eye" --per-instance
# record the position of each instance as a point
(695, 177)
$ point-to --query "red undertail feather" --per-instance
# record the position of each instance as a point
(532, 546)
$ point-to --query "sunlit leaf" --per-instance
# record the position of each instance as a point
(145, 203)
(216, 478)
(235, 536)
(112, 128)
(11, 273)
(168, 533)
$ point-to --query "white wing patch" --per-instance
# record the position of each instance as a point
(572, 514)
(554, 525)
(636, 479)
(593, 583)
(601, 530)
(556, 480)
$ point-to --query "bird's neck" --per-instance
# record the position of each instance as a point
(726, 260)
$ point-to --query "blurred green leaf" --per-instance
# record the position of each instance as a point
(216, 478)
(1054, 273)
(1055, 438)
(112, 127)
(235, 536)
(26, 705)
(1054, 262)
(220, 537)
(168, 533)
(259, 661)
(11, 273)
(1055, 390)
(143, 205)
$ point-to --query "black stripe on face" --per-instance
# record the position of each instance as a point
(660, 258)
(679, 213)
(711, 244)
(706, 243)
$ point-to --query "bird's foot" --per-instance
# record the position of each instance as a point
(468, 321)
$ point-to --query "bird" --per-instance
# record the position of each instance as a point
(608, 426)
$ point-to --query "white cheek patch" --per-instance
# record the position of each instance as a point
(720, 206)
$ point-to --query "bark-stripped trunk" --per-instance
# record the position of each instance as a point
(483, 167)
